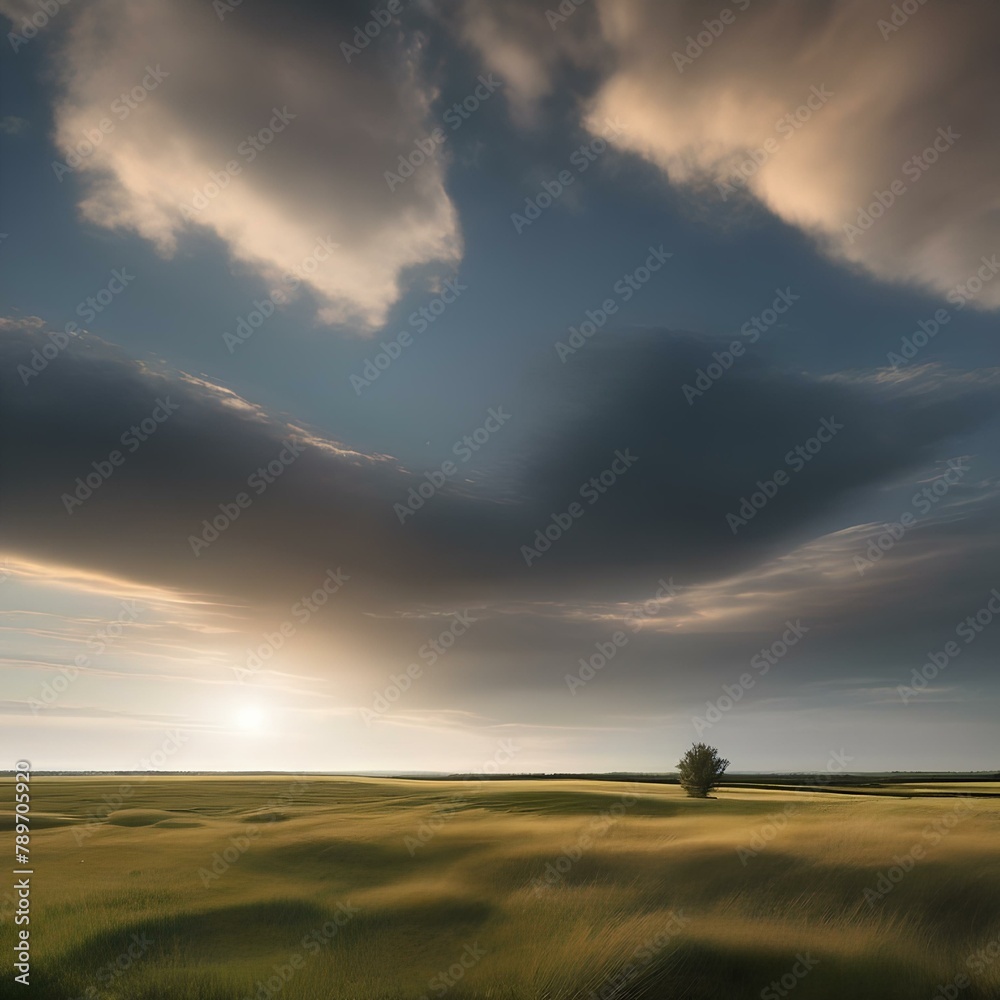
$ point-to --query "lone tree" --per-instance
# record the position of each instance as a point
(700, 770)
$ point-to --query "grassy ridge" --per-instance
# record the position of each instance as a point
(355, 887)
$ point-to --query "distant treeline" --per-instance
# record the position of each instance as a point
(872, 783)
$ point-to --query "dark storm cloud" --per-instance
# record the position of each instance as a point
(323, 505)
(752, 430)
(873, 606)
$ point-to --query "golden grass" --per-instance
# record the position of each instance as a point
(658, 902)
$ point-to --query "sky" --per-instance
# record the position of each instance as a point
(463, 386)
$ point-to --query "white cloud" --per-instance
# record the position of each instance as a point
(890, 97)
(319, 178)
(699, 114)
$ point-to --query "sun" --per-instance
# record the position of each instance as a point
(251, 718)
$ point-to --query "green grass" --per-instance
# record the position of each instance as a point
(349, 850)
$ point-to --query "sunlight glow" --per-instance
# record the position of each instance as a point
(251, 719)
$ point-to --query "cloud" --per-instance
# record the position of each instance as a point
(95, 713)
(679, 652)
(710, 104)
(331, 505)
(515, 41)
(256, 128)
(666, 517)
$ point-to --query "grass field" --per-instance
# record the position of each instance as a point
(221, 888)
